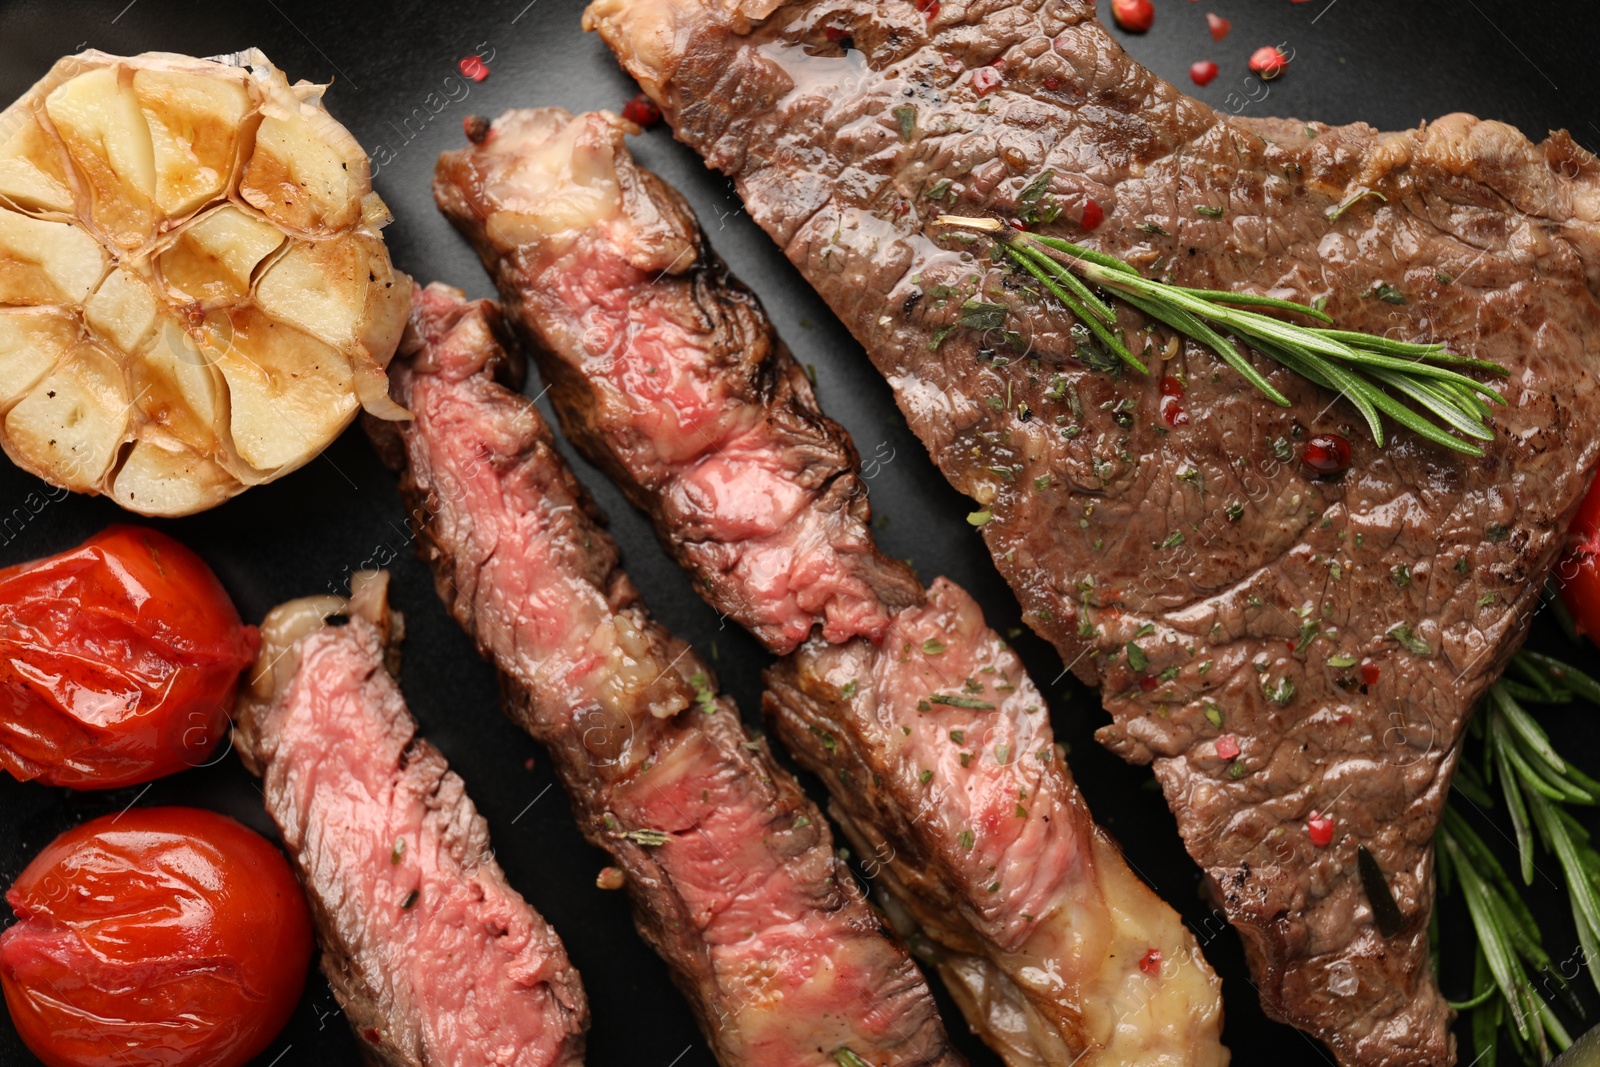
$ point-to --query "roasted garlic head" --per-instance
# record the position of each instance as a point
(194, 294)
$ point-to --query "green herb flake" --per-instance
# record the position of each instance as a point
(1236, 770)
(906, 116)
(1136, 657)
(932, 647)
(1235, 512)
(1022, 812)
(1208, 211)
(956, 700)
(1410, 639)
(1002, 754)
(648, 838)
(1461, 565)
(1388, 293)
(925, 777)
(1400, 575)
(846, 1058)
(847, 690)
(982, 315)
(1173, 540)
(1035, 189)
(1042, 482)
(1496, 533)
(1144, 631)
(1152, 228)
(801, 822)
(978, 518)
(958, 736)
(965, 839)
(1279, 694)
(940, 189)
(1213, 715)
(1341, 661)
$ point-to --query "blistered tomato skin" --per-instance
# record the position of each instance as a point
(161, 937)
(1578, 573)
(118, 662)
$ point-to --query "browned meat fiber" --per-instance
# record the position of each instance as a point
(1274, 641)
(435, 959)
(731, 868)
(935, 745)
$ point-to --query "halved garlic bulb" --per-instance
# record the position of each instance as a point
(194, 293)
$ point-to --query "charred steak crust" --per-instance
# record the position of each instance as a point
(927, 732)
(729, 866)
(434, 958)
(1337, 631)
(649, 309)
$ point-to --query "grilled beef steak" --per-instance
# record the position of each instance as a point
(1278, 642)
(730, 866)
(435, 959)
(682, 374)
(936, 746)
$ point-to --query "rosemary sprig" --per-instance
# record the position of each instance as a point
(1538, 787)
(1366, 369)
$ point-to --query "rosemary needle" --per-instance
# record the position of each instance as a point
(1374, 373)
(1538, 787)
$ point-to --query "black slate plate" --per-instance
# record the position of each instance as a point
(396, 87)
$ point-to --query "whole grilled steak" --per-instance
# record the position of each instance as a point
(731, 868)
(935, 745)
(435, 959)
(1278, 643)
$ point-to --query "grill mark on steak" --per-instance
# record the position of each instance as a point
(986, 843)
(653, 345)
(730, 867)
(1494, 243)
(434, 958)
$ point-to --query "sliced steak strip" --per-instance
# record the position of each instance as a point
(730, 866)
(1303, 644)
(998, 861)
(435, 959)
(955, 790)
(648, 342)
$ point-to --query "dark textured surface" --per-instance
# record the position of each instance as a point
(1392, 65)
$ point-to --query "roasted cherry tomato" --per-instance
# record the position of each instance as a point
(118, 661)
(160, 937)
(1578, 573)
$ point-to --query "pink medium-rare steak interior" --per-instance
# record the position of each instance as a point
(730, 867)
(647, 340)
(433, 957)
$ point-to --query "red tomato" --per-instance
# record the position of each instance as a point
(1135, 16)
(1578, 573)
(118, 661)
(160, 937)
